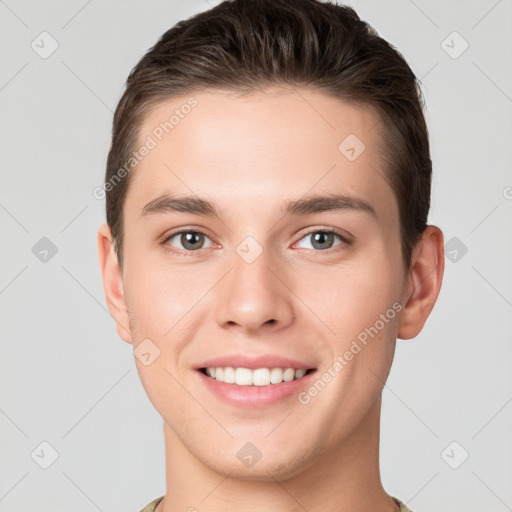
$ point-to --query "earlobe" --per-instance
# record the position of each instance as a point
(424, 282)
(113, 283)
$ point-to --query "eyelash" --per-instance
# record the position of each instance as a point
(343, 245)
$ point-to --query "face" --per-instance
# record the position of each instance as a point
(261, 273)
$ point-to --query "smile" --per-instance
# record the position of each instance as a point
(257, 377)
(255, 388)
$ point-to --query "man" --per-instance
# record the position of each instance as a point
(268, 187)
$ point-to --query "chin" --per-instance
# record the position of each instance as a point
(269, 467)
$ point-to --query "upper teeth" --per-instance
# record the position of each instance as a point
(259, 377)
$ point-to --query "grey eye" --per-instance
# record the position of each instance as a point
(189, 240)
(321, 240)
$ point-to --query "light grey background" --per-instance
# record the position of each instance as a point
(65, 377)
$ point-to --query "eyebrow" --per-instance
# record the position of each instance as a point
(303, 206)
(332, 202)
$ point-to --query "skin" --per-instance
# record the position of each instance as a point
(248, 154)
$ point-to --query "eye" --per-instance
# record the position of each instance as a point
(189, 240)
(323, 240)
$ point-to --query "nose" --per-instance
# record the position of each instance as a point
(254, 296)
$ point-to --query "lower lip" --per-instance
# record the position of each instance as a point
(256, 396)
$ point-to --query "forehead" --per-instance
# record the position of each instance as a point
(260, 148)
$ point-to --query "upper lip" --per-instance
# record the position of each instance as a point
(253, 362)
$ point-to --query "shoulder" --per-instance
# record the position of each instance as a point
(403, 506)
(150, 507)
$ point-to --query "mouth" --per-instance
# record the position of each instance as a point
(257, 388)
(257, 377)
(255, 381)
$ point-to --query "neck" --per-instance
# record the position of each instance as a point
(343, 478)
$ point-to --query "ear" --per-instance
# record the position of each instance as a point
(424, 282)
(113, 283)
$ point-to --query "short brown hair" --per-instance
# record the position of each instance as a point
(247, 45)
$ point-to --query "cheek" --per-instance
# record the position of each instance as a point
(160, 304)
(157, 297)
(358, 308)
(346, 299)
